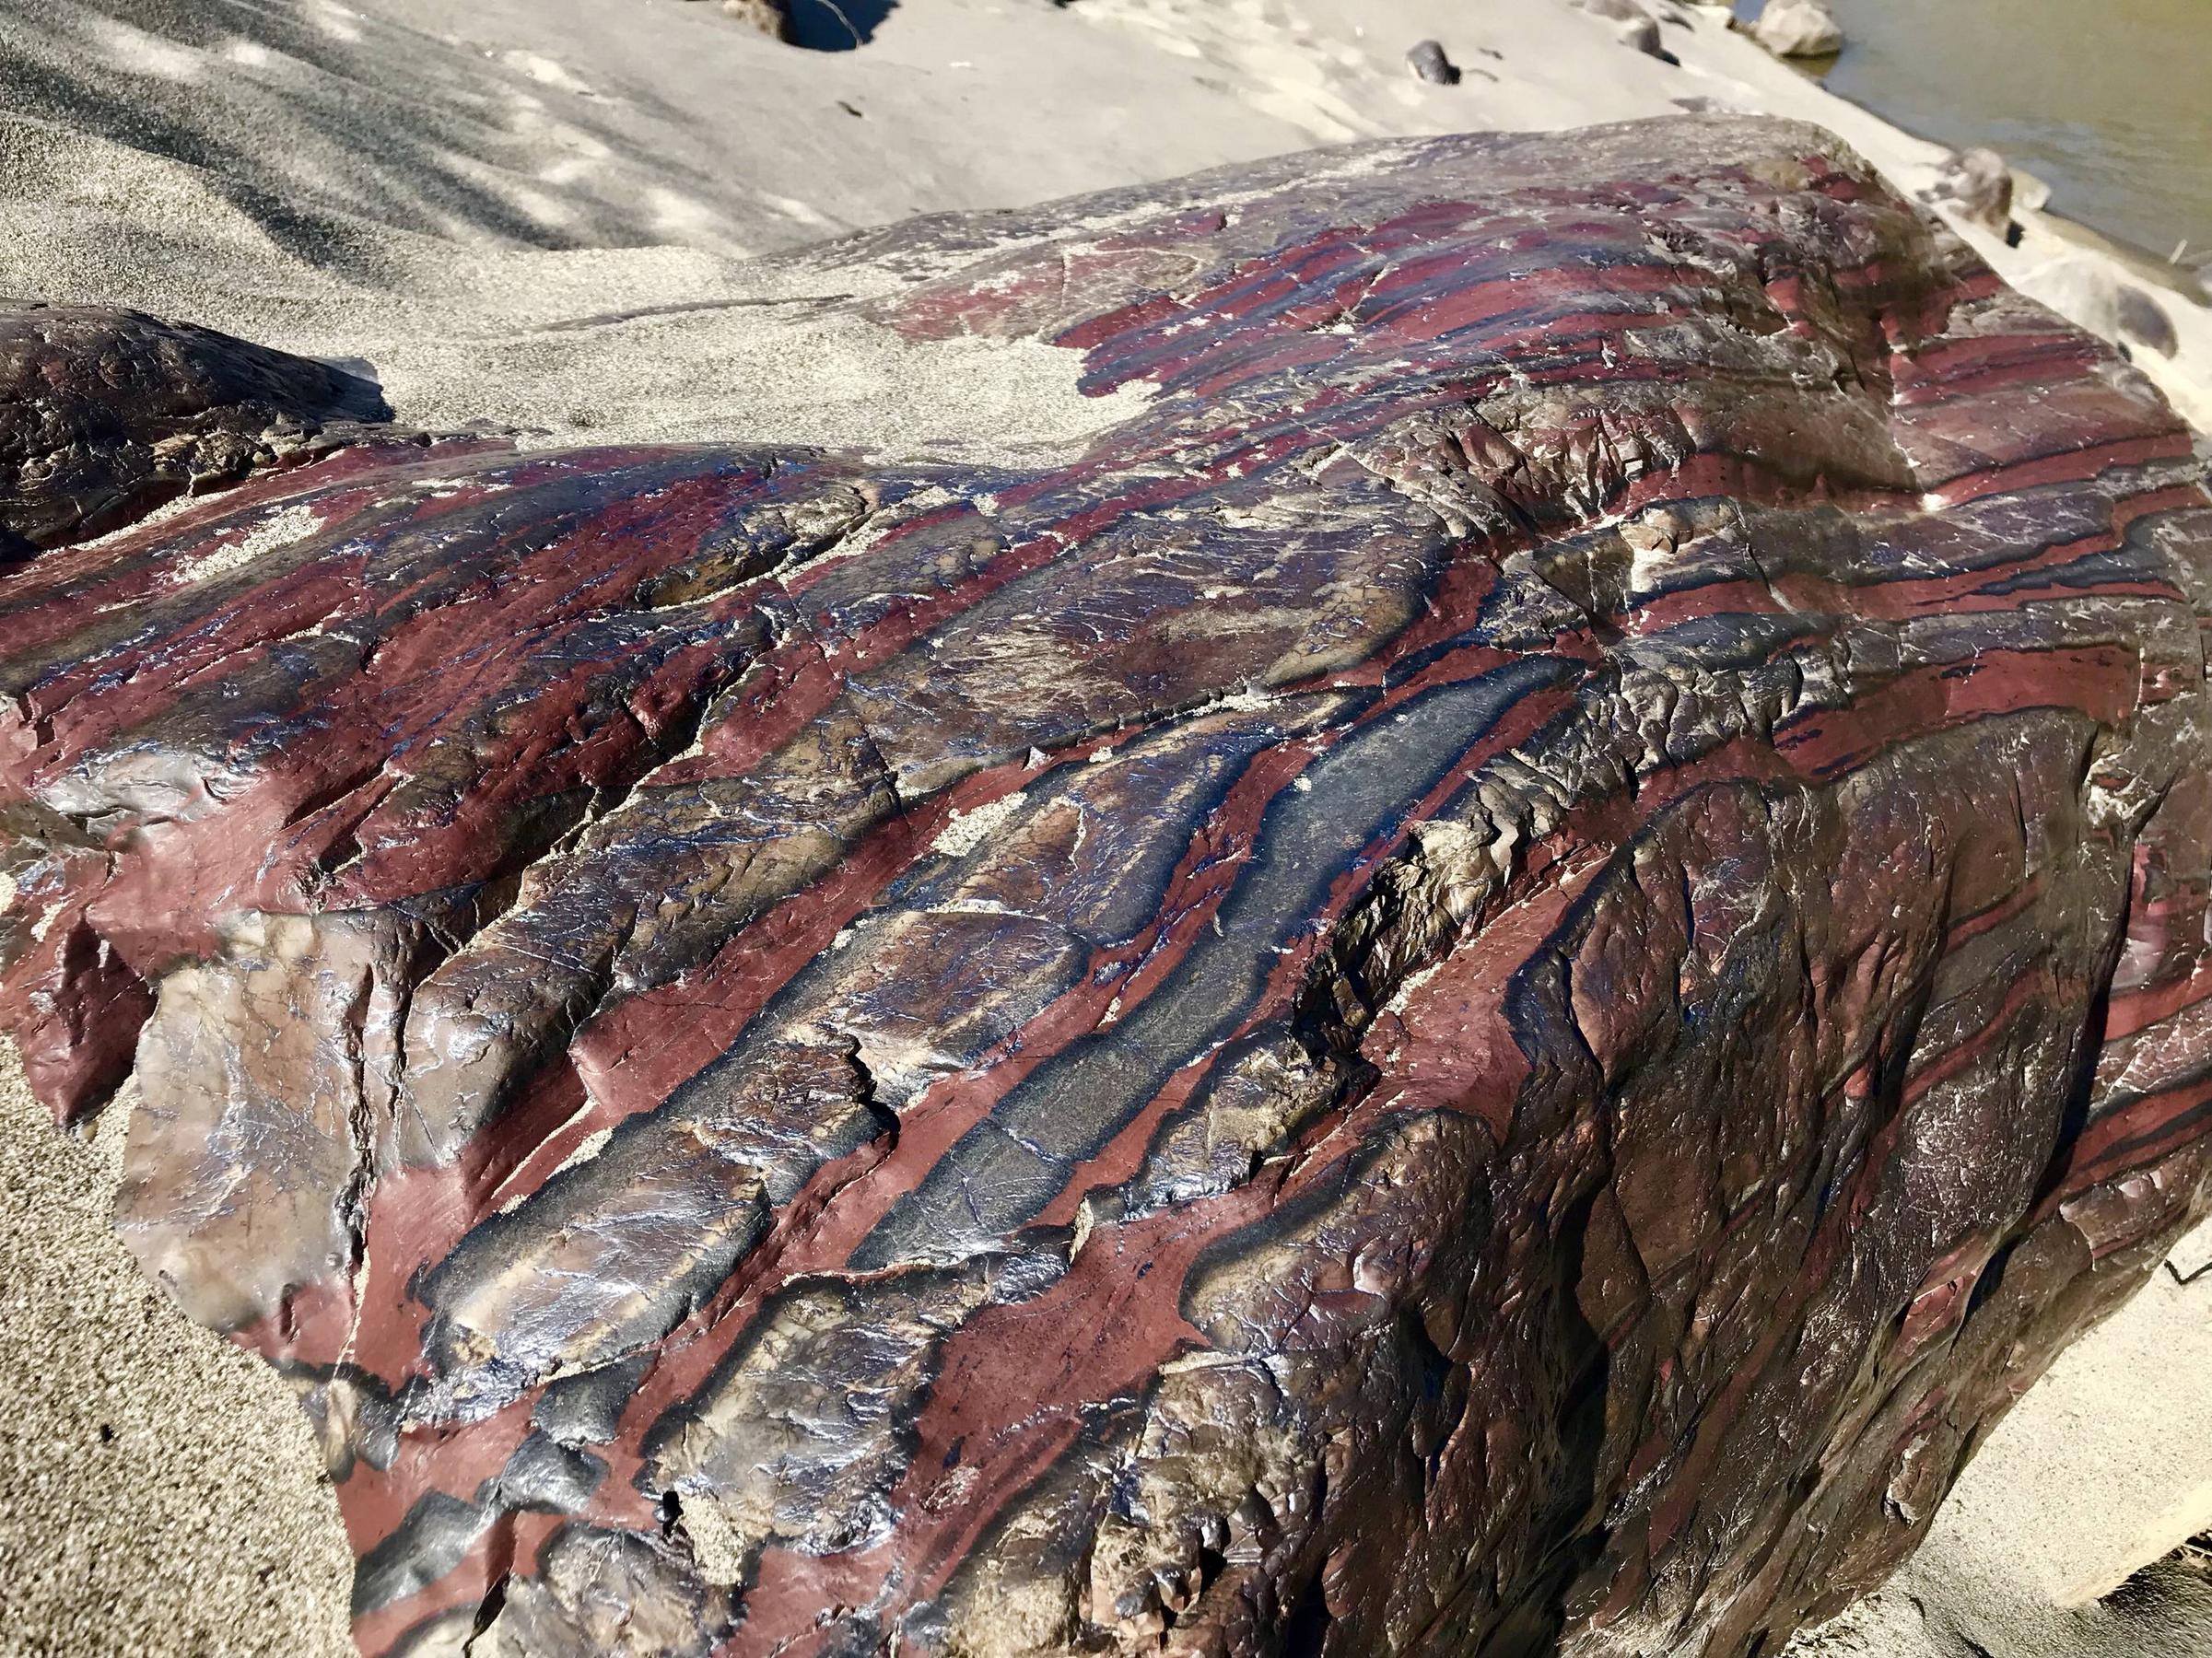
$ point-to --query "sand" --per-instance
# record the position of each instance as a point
(159, 1495)
(543, 215)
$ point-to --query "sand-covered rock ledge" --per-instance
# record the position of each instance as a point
(542, 215)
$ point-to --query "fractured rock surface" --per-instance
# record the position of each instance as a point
(1485, 984)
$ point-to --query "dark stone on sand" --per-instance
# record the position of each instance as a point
(1637, 26)
(1430, 63)
(2144, 321)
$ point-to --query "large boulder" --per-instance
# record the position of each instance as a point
(1486, 982)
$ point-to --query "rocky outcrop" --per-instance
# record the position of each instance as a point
(1487, 981)
(104, 414)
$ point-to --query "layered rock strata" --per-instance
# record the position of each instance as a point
(1486, 984)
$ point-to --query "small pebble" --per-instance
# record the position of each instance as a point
(2144, 321)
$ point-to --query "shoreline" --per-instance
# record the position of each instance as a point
(2103, 111)
(2068, 265)
(2034, 193)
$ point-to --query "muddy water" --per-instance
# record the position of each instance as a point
(2108, 101)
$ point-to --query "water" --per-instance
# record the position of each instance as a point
(2108, 102)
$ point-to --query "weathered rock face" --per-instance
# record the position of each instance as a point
(105, 413)
(1484, 984)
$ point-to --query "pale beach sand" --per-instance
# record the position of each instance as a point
(160, 1493)
(539, 213)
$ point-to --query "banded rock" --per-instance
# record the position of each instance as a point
(1486, 983)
